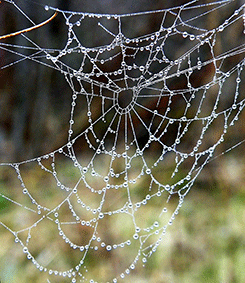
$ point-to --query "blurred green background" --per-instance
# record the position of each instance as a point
(206, 242)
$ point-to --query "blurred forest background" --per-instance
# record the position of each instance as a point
(35, 101)
(207, 242)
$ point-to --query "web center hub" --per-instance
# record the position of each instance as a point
(125, 100)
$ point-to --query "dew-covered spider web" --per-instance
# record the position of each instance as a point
(148, 110)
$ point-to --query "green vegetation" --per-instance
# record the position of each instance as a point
(206, 242)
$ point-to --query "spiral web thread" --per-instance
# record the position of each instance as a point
(145, 138)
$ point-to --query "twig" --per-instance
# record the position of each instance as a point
(29, 29)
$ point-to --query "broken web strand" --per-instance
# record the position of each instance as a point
(142, 86)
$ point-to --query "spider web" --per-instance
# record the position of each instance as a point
(149, 114)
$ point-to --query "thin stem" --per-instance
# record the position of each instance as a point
(31, 28)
